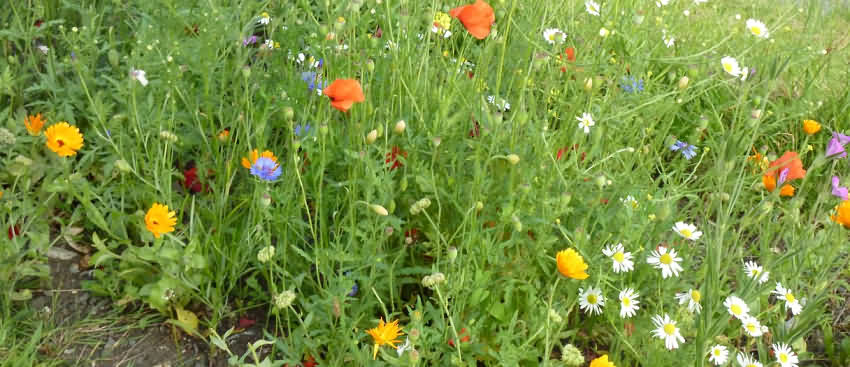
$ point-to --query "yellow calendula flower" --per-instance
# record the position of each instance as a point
(571, 264)
(442, 20)
(602, 362)
(34, 124)
(247, 162)
(159, 220)
(64, 139)
(385, 334)
(811, 127)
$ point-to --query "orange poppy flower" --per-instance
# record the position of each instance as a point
(477, 18)
(788, 160)
(343, 93)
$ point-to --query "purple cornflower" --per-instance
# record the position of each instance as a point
(266, 169)
(689, 151)
(249, 41)
(632, 85)
(836, 145)
(302, 129)
(839, 191)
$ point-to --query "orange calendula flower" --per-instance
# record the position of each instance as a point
(247, 162)
(477, 18)
(344, 93)
(64, 139)
(34, 124)
(224, 135)
(602, 362)
(811, 127)
(385, 334)
(842, 214)
(770, 184)
(159, 220)
(788, 167)
(571, 264)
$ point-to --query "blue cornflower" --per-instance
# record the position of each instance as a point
(313, 80)
(301, 130)
(354, 290)
(266, 169)
(689, 151)
(632, 85)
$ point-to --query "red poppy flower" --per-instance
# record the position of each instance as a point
(477, 18)
(344, 93)
(392, 156)
(309, 362)
(14, 231)
(411, 236)
(463, 339)
(567, 149)
(38, 23)
(571, 54)
(788, 160)
(190, 180)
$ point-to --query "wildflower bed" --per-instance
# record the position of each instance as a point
(379, 182)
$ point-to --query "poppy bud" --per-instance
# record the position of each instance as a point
(246, 72)
(452, 254)
(371, 136)
(323, 129)
(513, 158)
(436, 141)
(588, 84)
(113, 58)
(399, 127)
(265, 200)
(683, 82)
(479, 205)
(123, 166)
(379, 210)
(288, 113)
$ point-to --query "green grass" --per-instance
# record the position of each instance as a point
(493, 228)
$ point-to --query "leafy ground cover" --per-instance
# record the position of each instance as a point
(375, 182)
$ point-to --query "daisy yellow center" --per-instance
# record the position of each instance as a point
(591, 298)
(728, 67)
(717, 352)
(634, 204)
(666, 259)
(751, 365)
(783, 357)
(755, 272)
(756, 30)
(669, 329)
(736, 309)
(619, 256)
(751, 327)
(686, 233)
(695, 295)
(790, 297)
(553, 36)
(627, 302)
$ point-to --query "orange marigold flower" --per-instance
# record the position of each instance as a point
(811, 127)
(842, 214)
(602, 362)
(477, 18)
(34, 124)
(344, 93)
(385, 334)
(571, 264)
(159, 220)
(247, 162)
(64, 139)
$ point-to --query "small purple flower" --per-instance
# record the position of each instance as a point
(836, 145)
(632, 85)
(301, 130)
(839, 191)
(689, 151)
(266, 169)
(249, 41)
(783, 175)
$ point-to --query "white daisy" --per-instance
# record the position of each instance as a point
(737, 307)
(264, 18)
(668, 262)
(745, 72)
(591, 301)
(718, 355)
(687, 230)
(585, 121)
(757, 28)
(554, 36)
(700, 1)
(669, 41)
(660, 3)
(592, 7)
(785, 356)
(628, 303)
(139, 75)
(756, 271)
(630, 201)
(622, 259)
(44, 49)
(730, 66)
(752, 326)
(404, 347)
(665, 328)
(744, 360)
(604, 32)
(790, 301)
(692, 297)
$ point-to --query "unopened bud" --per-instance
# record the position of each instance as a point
(371, 136)
(755, 114)
(452, 253)
(379, 210)
(513, 158)
(683, 82)
(588, 84)
(123, 166)
(479, 205)
(399, 127)
(288, 113)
